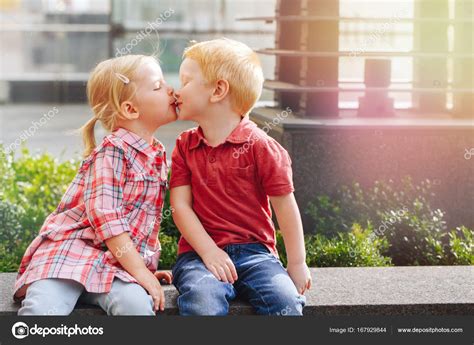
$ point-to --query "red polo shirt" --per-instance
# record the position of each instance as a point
(231, 183)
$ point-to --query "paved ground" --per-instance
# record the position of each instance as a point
(56, 136)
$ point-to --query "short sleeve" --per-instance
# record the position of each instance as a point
(180, 173)
(103, 193)
(274, 167)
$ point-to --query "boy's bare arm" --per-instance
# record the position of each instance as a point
(289, 220)
(216, 260)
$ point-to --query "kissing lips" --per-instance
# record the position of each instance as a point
(177, 105)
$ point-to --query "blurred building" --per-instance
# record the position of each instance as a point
(52, 45)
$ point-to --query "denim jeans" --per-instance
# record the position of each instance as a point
(262, 281)
(54, 296)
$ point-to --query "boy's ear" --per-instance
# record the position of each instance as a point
(221, 90)
(129, 111)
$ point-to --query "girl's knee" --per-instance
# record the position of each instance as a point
(130, 299)
(133, 306)
(50, 297)
(46, 305)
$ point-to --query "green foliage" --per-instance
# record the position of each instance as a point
(36, 184)
(461, 247)
(368, 206)
(416, 238)
(30, 189)
(169, 252)
(357, 248)
(12, 245)
(168, 227)
(417, 234)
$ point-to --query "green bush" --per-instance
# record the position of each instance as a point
(169, 252)
(357, 248)
(30, 189)
(416, 238)
(36, 184)
(417, 234)
(168, 227)
(461, 247)
(12, 238)
(369, 206)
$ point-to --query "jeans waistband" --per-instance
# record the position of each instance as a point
(239, 247)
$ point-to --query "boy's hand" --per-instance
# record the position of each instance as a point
(300, 275)
(164, 277)
(149, 282)
(219, 263)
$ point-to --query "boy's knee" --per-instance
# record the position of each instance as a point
(283, 300)
(287, 303)
(208, 296)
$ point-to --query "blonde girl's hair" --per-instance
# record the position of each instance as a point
(109, 85)
(233, 61)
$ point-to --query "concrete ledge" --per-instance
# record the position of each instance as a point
(425, 290)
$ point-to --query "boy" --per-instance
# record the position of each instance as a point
(224, 173)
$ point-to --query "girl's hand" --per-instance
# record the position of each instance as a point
(152, 285)
(300, 275)
(164, 277)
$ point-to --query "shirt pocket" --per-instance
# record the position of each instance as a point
(141, 188)
(240, 181)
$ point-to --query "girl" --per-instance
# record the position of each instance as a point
(101, 244)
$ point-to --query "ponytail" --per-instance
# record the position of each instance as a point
(88, 136)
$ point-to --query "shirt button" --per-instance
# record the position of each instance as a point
(212, 159)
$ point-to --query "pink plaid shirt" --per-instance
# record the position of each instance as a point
(119, 188)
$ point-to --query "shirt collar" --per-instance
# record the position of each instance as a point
(241, 134)
(140, 144)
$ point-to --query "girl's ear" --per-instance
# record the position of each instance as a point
(220, 91)
(129, 111)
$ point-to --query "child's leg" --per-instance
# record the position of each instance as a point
(123, 299)
(200, 292)
(265, 283)
(51, 296)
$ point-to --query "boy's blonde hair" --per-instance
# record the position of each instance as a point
(109, 85)
(235, 62)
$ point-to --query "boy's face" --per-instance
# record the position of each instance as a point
(193, 97)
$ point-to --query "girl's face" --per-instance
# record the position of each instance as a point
(193, 97)
(154, 98)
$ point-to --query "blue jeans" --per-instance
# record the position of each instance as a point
(263, 282)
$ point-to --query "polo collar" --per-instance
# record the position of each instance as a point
(241, 134)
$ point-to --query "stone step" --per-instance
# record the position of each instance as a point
(420, 290)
